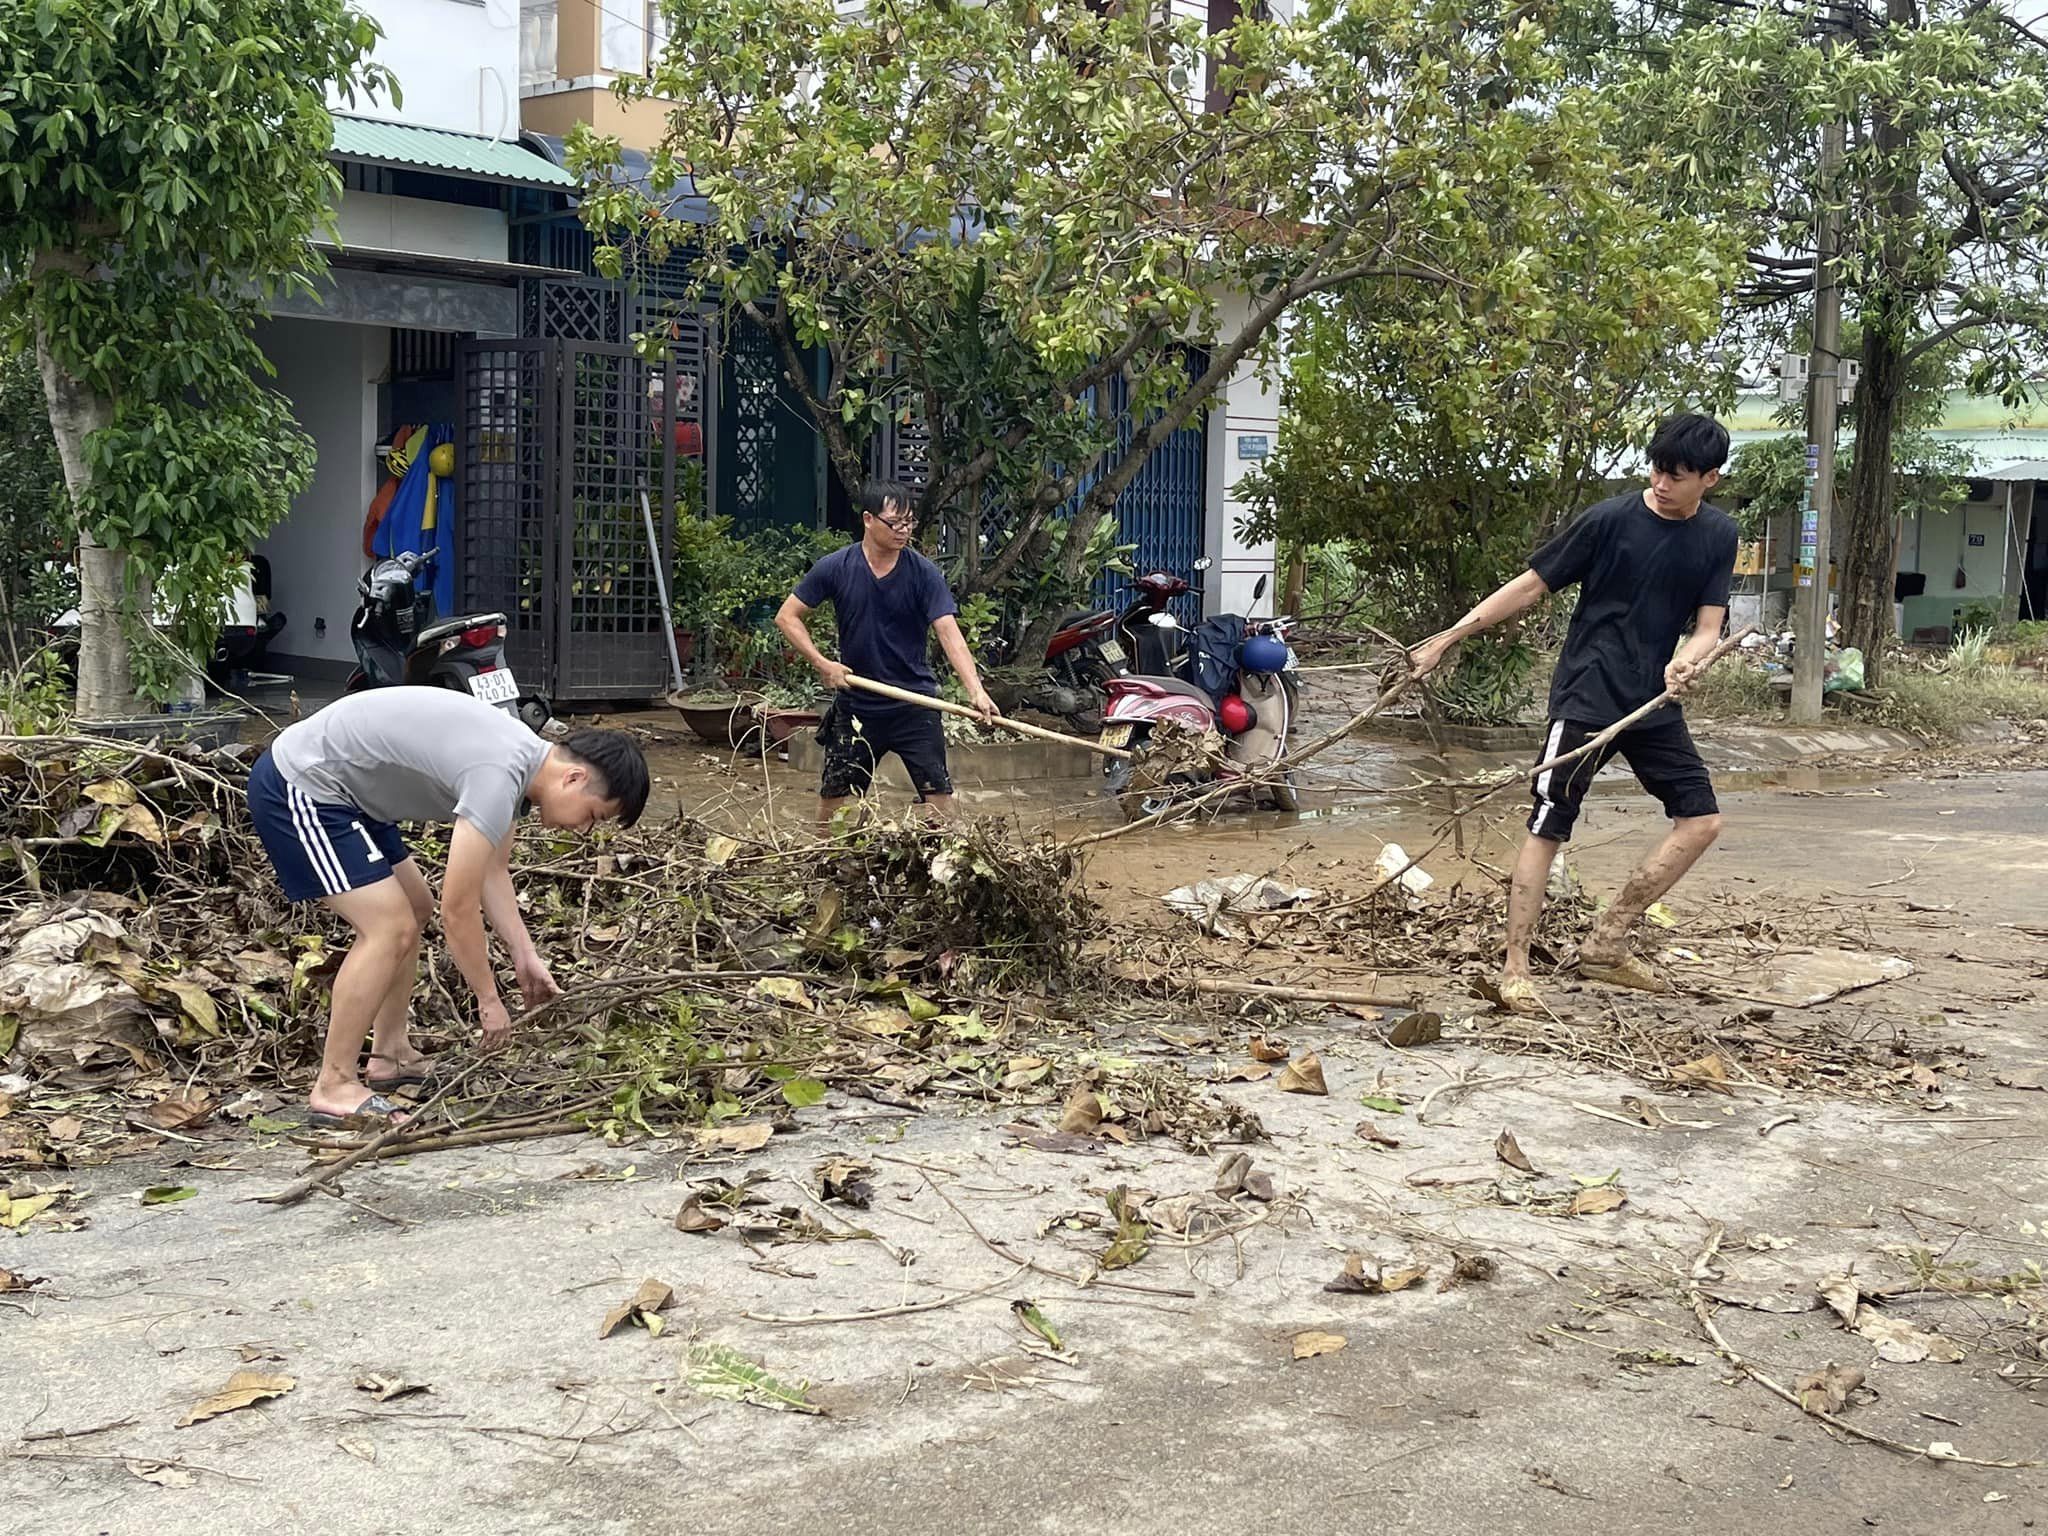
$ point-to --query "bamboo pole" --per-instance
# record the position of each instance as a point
(945, 707)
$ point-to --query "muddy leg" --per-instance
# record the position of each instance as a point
(1525, 902)
(1689, 837)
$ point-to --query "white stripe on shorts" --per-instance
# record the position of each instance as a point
(313, 838)
(1544, 804)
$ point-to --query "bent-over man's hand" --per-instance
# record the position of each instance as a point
(1429, 655)
(497, 1023)
(536, 983)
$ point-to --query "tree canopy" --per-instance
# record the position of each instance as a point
(162, 165)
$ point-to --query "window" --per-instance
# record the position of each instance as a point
(657, 34)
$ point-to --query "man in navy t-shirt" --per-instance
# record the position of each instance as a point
(1647, 563)
(886, 598)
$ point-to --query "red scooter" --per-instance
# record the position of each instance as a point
(1248, 697)
(1090, 649)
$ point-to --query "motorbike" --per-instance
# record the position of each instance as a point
(1090, 648)
(1227, 692)
(398, 640)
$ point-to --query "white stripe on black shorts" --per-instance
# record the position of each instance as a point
(319, 848)
(1660, 752)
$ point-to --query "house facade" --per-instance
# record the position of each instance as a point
(1987, 556)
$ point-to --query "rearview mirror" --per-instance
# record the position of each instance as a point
(1258, 589)
(1164, 621)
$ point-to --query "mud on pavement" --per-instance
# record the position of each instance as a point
(987, 1345)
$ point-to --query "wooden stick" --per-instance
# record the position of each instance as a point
(946, 707)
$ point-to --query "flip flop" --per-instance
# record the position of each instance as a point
(373, 1110)
(1628, 972)
(1519, 996)
(425, 1075)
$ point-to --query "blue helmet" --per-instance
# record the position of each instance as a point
(1263, 653)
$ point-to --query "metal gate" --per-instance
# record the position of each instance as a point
(559, 438)
(1161, 510)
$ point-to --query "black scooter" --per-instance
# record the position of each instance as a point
(398, 641)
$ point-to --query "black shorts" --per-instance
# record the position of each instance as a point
(1660, 753)
(855, 742)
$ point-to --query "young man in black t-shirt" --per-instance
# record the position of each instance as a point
(1648, 563)
(887, 598)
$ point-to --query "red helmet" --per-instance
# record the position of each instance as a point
(1234, 714)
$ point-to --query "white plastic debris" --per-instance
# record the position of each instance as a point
(1414, 881)
(1210, 902)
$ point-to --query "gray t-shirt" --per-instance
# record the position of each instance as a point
(414, 754)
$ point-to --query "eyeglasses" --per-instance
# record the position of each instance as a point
(900, 524)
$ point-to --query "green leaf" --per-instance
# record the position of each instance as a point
(1029, 1315)
(717, 1371)
(1384, 1105)
(167, 1194)
(269, 1125)
(803, 1092)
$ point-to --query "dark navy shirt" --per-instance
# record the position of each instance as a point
(883, 622)
(1641, 579)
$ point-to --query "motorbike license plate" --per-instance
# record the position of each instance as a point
(499, 687)
(1112, 653)
(1116, 735)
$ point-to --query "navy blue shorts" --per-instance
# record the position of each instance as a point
(319, 849)
(856, 742)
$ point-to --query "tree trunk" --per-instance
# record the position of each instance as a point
(1868, 545)
(106, 688)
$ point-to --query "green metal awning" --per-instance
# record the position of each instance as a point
(467, 155)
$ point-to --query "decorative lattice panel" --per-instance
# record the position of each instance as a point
(505, 441)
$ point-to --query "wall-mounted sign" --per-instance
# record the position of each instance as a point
(1253, 445)
(1976, 541)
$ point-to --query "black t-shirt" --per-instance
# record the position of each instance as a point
(1641, 579)
(883, 621)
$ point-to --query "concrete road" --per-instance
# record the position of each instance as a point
(1571, 1392)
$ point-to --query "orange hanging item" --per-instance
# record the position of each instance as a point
(395, 464)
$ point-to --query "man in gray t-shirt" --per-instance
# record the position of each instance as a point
(327, 799)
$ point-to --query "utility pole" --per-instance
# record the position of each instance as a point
(1824, 376)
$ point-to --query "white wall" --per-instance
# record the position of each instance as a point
(375, 221)
(457, 63)
(329, 374)
(1249, 409)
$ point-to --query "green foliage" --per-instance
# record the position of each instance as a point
(981, 214)
(34, 531)
(1938, 706)
(162, 164)
(1735, 689)
(34, 697)
(1445, 427)
(1494, 682)
(1931, 478)
(726, 589)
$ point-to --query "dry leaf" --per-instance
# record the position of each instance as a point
(719, 849)
(1827, 1389)
(1469, 1268)
(1236, 1175)
(1903, 1344)
(66, 1128)
(1841, 1294)
(140, 820)
(118, 792)
(251, 1353)
(362, 1450)
(1509, 1151)
(2026, 1079)
(384, 1385)
(694, 1218)
(1265, 1049)
(1352, 1280)
(1245, 1072)
(1603, 1197)
(1365, 1130)
(1308, 1345)
(1707, 1072)
(178, 1113)
(11, 1282)
(163, 1473)
(1082, 1112)
(1417, 1029)
(243, 1388)
(846, 1181)
(736, 1138)
(644, 1307)
(786, 989)
(1304, 1076)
